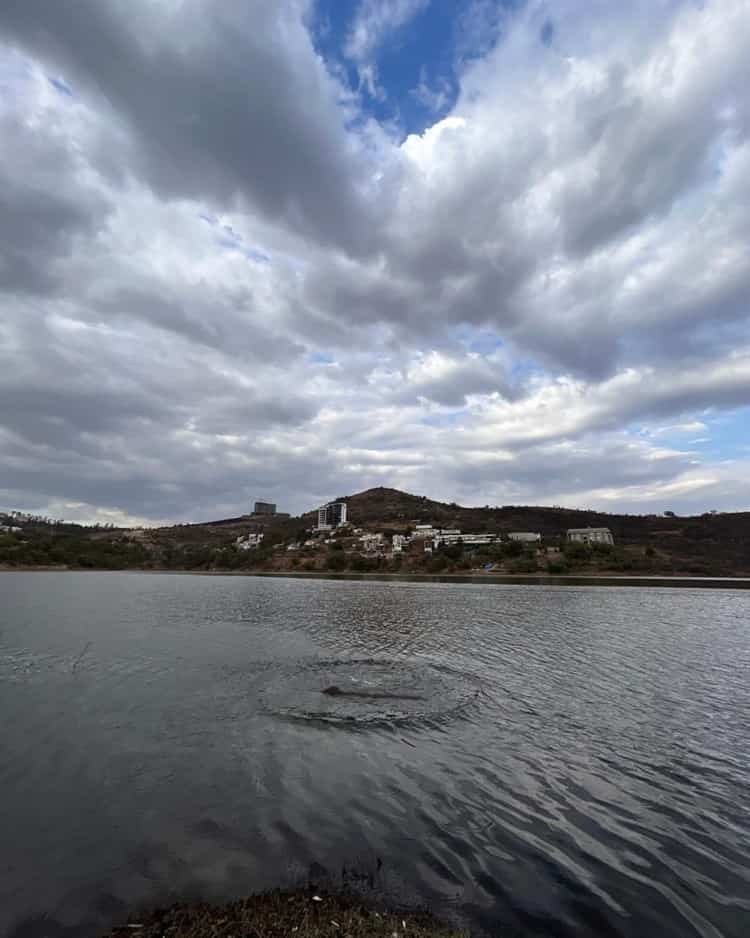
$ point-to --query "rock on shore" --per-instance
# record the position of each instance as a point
(299, 914)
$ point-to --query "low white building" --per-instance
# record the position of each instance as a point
(250, 542)
(371, 541)
(424, 531)
(449, 537)
(399, 542)
(590, 535)
(525, 537)
(9, 529)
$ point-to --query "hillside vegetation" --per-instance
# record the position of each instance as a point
(712, 544)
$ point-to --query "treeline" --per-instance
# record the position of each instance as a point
(71, 550)
(120, 553)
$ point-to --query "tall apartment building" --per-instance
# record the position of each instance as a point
(332, 515)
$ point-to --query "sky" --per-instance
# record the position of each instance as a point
(489, 252)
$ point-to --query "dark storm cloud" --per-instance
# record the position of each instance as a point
(215, 316)
(42, 207)
(223, 101)
(221, 279)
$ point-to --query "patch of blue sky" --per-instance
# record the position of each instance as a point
(320, 358)
(716, 434)
(524, 369)
(547, 33)
(253, 254)
(250, 253)
(231, 241)
(449, 419)
(60, 85)
(727, 436)
(479, 341)
(416, 64)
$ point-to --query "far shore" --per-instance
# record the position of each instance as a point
(518, 579)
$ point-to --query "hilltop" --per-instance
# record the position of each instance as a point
(389, 506)
(711, 544)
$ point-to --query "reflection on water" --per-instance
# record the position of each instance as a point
(555, 761)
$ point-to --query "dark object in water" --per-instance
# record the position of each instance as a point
(335, 691)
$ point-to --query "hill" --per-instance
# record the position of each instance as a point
(385, 505)
(711, 544)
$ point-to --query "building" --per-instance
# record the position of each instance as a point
(9, 529)
(525, 537)
(264, 508)
(250, 542)
(332, 515)
(424, 531)
(399, 541)
(590, 535)
(372, 542)
(450, 536)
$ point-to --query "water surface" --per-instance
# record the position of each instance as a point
(563, 761)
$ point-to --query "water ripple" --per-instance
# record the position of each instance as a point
(562, 761)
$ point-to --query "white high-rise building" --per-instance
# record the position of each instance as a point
(332, 515)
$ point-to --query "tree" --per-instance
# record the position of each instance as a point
(336, 561)
(437, 563)
(513, 549)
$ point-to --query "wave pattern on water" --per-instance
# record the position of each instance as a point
(562, 761)
(356, 692)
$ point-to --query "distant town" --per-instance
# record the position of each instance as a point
(386, 531)
(338, 533)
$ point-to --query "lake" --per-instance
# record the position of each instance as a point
(525, 760)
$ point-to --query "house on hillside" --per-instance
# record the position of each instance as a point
(250, 542)
(525, 537)
(372, 542)
(591, 536)
(399, 541)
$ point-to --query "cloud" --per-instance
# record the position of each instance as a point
(220, 276)
(44, 206)
(693, 426)
(374, 22)
(436, 96)
(229, 104)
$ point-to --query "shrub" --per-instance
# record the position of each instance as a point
(575, 551)
(365, 564)
(437, 563)
(523, 565)
(512, 549)
(336, 561)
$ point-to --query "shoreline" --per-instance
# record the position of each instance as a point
(500, 579)
(281, 914)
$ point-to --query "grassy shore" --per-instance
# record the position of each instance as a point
(299, 914)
